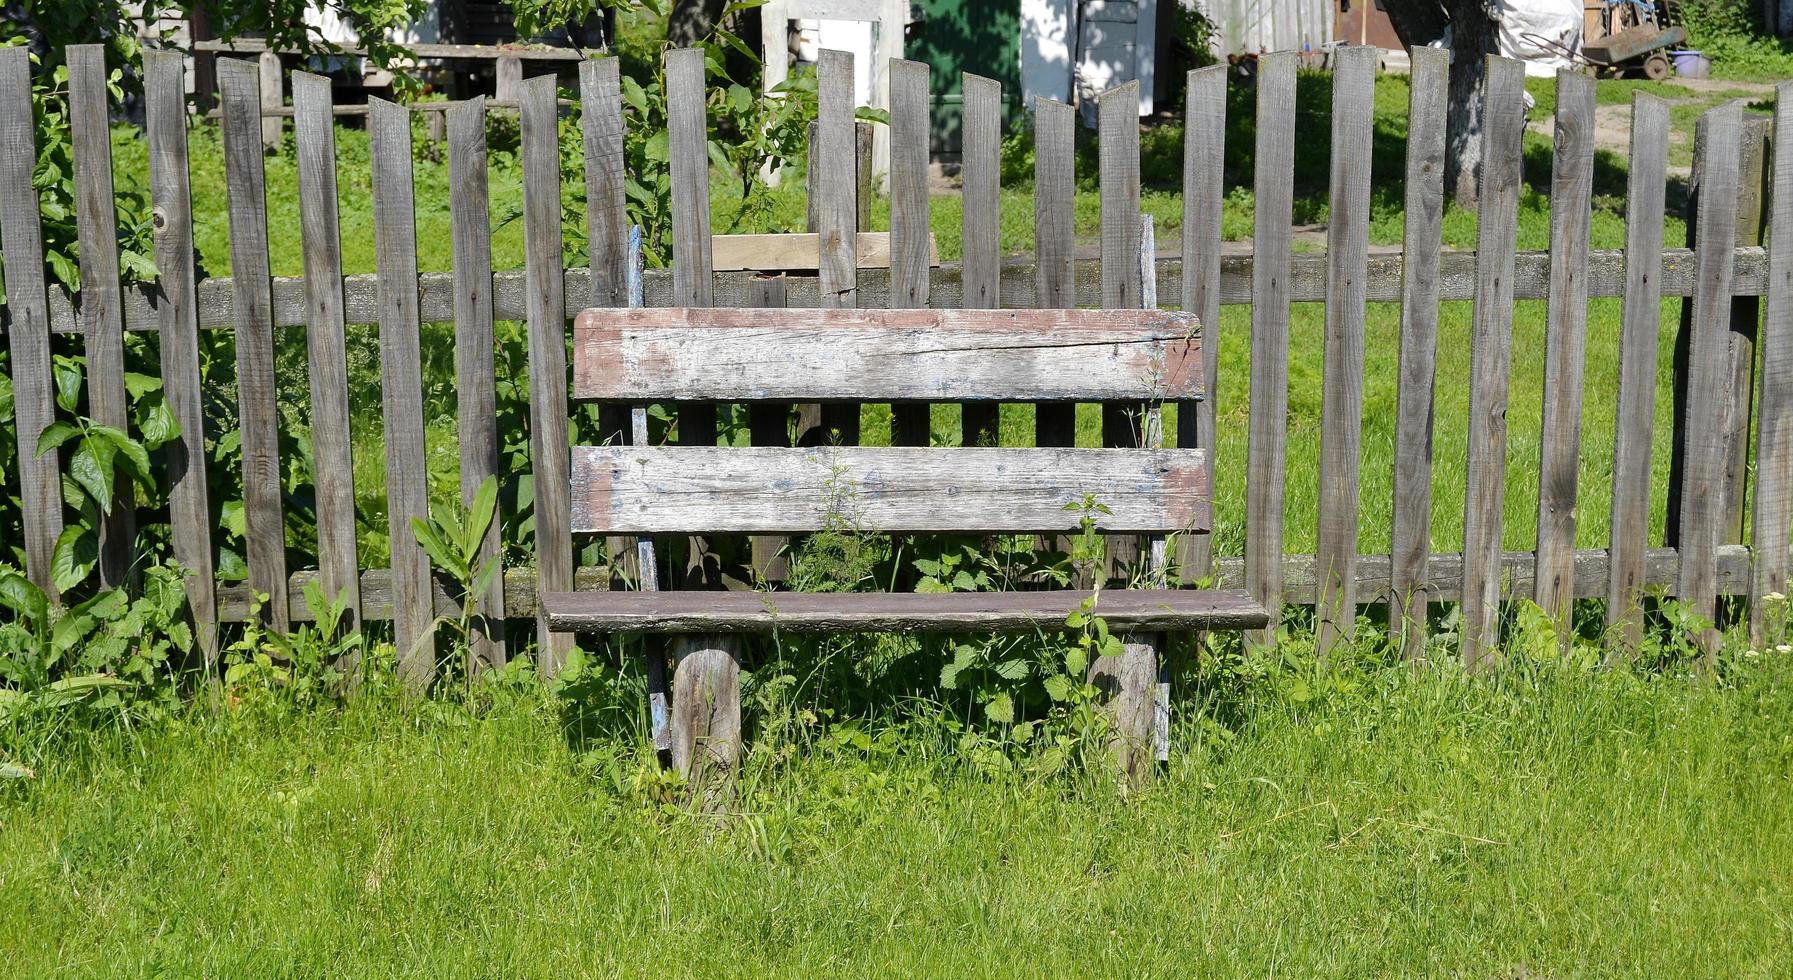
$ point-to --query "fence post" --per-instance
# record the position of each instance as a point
(1774, 446)
(1204, 189)
(269, 70)
(910, 256)
(836, 212)
(979, 421)
(1055, 241)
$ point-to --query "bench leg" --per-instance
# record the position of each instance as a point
(1129, 691)
(706, 716)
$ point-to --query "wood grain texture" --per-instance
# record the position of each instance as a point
(401, 392)
(1055, 241)
(165, 119)
(833, 195)
(258, 410)
(813, 612)
(1702, 476)
(1411, 540)
(1306, 281)
(910, 133)
(982, 231)
(1341, 398)
(1125, 684)
(798, 252)
(1773, 520)
(1565, 346)
(546, 318)
(1746, 316)
(769, 424)
(34, 404)
(333, 471)
(1204, 186)
(673, 354)
(606, 211)
(1491, 342)
(1646, 186)
(705, 723)
(1266, 447)
(674, 489)
(1117, 163)
(688, 149)
(102, 312)
(470, 234)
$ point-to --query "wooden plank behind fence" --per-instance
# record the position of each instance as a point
(1746, 315)
(910, 258)
(401, 384)
(34, 404)
(165, 118)
(1204, 186)
(1645, 190)
(769, 423)
(1411, 540)
(1491, 342)
(470, 232)
(333, 470)
(546, 307)
(102, 310)
(1702, 476)
(1266, 450)
(833, 196)
(1055, 242)
(258, 409)
(1118, 167)
(1565, 345)
(1774, 440)
(982, 231)
(1341, 406)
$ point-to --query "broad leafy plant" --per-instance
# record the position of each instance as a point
(453, 536)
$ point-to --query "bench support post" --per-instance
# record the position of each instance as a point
(1129, 694)
(706, 716)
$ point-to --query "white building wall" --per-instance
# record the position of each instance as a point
(1254, 26)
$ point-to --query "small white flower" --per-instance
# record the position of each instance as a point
(1751, 654)
(1775, 597)
(1784, 648)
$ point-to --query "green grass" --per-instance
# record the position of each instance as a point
(1554, 822)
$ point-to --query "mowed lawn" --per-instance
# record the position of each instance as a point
(1553, 822)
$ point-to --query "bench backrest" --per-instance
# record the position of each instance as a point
(664, 355)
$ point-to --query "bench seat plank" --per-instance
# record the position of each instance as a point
(740, 355)
(770, 490)
(766, 612)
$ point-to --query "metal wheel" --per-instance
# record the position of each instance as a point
(1656, 67)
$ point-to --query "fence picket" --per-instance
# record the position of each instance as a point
(102, 301)
(1341, 410)
(1055, 240)
(769, 423)
(1266, 448)
(1411, 541)
(333, 471)
(1571, 199)
(539, 121)
(982, 230)
(909, 207)
(1774, 439)
(1204, 187)
(258, 410)
(837, 216)
(1491, 343)
(1702, 476)
(165, 119)
(470, 231)
(401, 384)
(1118, 167)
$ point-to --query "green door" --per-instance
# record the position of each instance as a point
(982, 37)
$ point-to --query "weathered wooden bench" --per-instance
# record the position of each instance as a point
(641, 356)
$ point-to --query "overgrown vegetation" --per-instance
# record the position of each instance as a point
(1732, 35)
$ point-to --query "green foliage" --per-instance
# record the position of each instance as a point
(453, 537)
(1731, 34)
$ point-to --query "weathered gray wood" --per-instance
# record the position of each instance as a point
(1702, 477)
(836, 212)
(646, 563)
(258, 412)
(688, 142)
(165, 119)
(1055, 240)
(1773, 521)
(769, 424)
(672, 354)
(470, 230)
(862, 176)
(102, 313)
(34, 404)
(1491, 342)
(1266, 448)
(1118, 168)
(982, 213)
(1565, 353)
(508, 85)
(401, 391)
(805, 612)
(1642, 323)
(268, 73)
(706, 717)
(1411, 539)
(1306, 283)
(1125, 684)
(1157, 563)
(546, 318)
(1746, 315)
(796, 252)
(910, 131)
(333, 471)
(674, 489)
(1341, 405)
(1204, 171)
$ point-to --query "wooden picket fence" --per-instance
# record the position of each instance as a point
(1706, 560)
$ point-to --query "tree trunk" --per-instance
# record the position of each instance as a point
(1465, 27)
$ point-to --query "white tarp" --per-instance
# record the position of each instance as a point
(1537, 32)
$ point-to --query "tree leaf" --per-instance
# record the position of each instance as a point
(1000, 709)
(479, 517)
(77, 551)
(55, 434)
(91, 466)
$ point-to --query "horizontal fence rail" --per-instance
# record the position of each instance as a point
(1735, 286)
